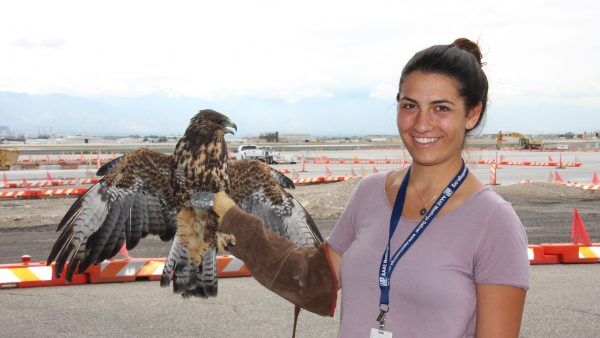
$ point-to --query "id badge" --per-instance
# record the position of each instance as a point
(378, 333)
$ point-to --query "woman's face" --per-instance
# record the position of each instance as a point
(432, 118)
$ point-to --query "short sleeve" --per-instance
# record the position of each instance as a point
(344, 231)
(501, 254)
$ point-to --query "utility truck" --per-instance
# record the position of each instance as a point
(254, 152)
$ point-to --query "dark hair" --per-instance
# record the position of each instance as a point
(460, 60)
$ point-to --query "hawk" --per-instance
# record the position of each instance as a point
(146, 192)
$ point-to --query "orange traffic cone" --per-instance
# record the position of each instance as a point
(375, 170)
(303, 164)
(595, 179)
(25, 184)
(557, 177)
(579, 235)
(327, 171)
(123, 251)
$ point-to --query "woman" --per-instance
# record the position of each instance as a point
(455, 264)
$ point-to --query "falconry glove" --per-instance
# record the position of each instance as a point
(301, 274)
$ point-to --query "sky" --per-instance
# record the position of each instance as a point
(294, 66)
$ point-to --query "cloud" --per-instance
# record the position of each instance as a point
(27, 43)
(384, 92)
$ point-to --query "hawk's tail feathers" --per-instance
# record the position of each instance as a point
(175, 263)
(190, 280)
(209, 272)
(207, 285)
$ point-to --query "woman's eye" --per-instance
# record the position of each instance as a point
(441, 108)
(409, 106)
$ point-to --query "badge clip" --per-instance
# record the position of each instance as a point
(384, 308)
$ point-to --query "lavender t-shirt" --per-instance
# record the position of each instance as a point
(433, 286)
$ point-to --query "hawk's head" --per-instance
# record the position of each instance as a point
(208, 125)
(202, 149)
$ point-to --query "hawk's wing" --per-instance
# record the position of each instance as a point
(133, 200)
(282, 180)
(255, 190)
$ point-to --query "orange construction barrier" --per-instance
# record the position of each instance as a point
(62, 192)
(126, 270)
(132, 269)
(230, 266)
(537, 256)
(309, 180)
(27, 274)
(571, 253)
(19, 194)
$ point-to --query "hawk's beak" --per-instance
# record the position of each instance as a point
(230, 125)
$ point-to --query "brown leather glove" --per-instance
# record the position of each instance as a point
(302, 275)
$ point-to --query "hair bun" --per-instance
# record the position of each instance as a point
(469, 46)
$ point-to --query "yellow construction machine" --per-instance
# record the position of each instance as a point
(524, 141)
(8, 157)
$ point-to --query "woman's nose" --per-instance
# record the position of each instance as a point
(423, 122)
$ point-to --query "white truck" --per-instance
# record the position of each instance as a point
(254, 152)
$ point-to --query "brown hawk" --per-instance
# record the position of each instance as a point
(146, 192)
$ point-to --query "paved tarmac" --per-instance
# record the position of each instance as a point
(563, 301)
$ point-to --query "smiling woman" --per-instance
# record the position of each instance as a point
(459, 248)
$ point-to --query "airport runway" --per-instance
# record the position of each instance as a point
(562, 302)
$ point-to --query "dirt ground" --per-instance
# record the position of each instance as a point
(546, 210)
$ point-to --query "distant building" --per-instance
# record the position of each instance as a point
(269, 137)
(5, 131)
(295, 138)
(77, 139)
(377, 139)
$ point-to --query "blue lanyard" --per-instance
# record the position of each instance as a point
(387, 266)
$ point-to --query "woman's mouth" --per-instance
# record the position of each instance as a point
(425, 141)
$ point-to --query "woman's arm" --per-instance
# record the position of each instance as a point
(335, 259)
(499, 310)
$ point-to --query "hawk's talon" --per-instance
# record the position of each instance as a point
(224, 241)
